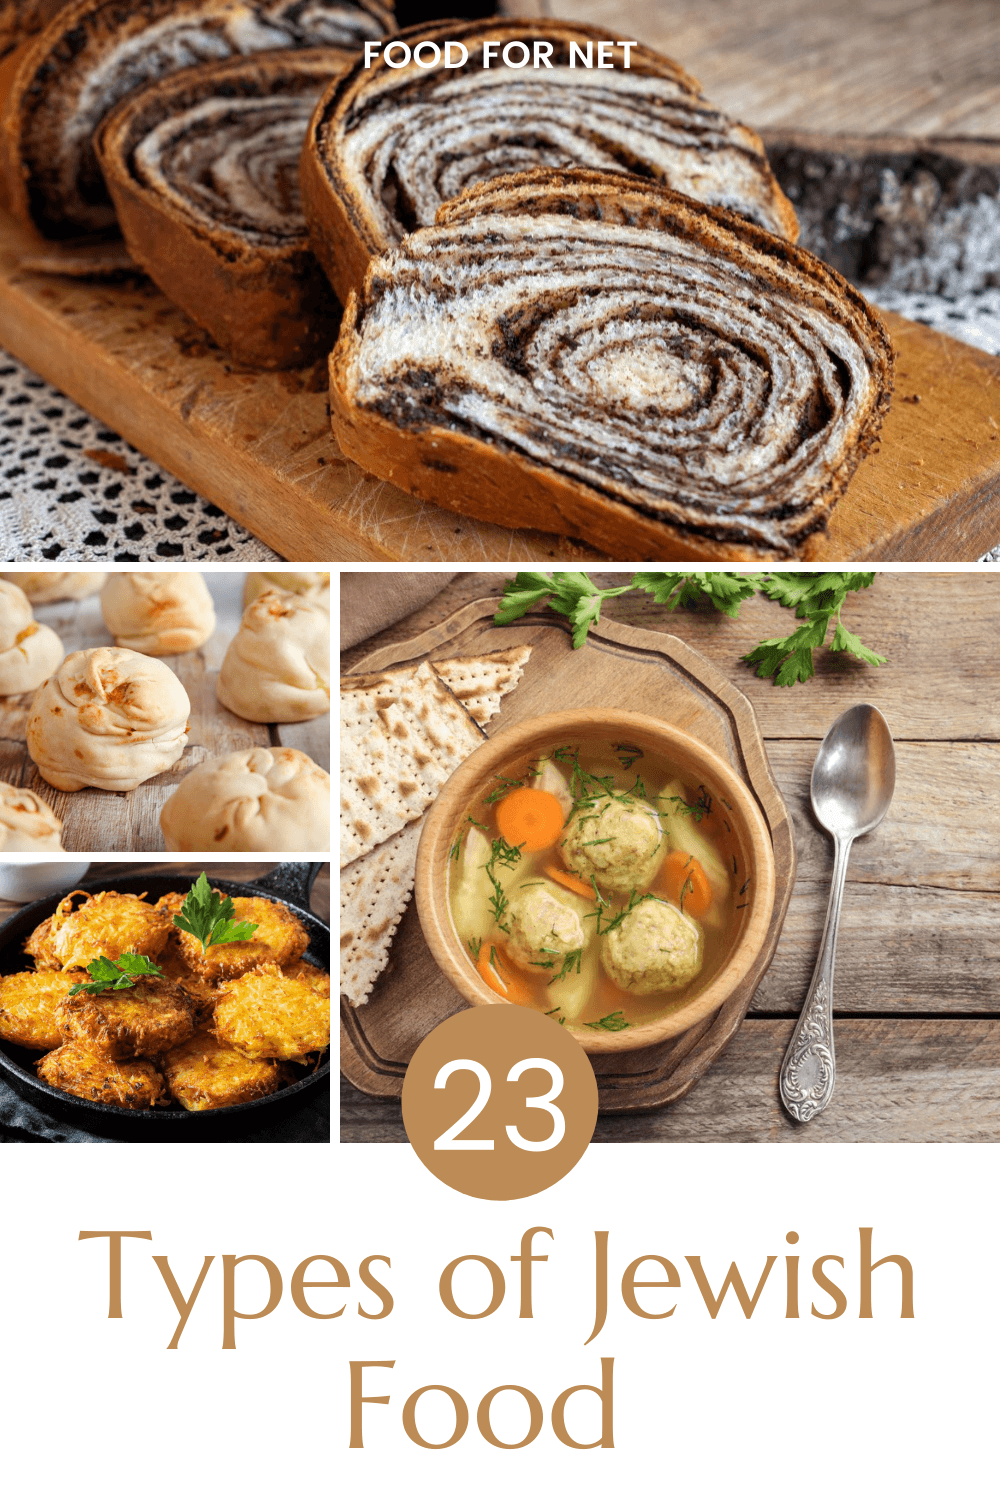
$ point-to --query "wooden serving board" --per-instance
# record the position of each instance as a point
(105, 822)
(620, 667)
(260, 447)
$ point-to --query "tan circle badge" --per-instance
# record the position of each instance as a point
(499, 1102)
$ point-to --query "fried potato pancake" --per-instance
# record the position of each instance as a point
(202, 991)
(267, 1014)
(79, 1068)
(318, 978)
(28, 1004)
(204, 1073)
(107, 925)
(143, 1021)
(280, 939)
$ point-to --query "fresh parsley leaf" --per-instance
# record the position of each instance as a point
(116, 973)
(210, 917)
(807, 592)
(726, 591)
(843, 640)
(571, 594)
(816, 598)
(524, 591)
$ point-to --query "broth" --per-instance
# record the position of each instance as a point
(595, 883)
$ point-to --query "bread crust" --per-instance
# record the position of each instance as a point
(476, 476)
(48, 78)
(268, 306)
(343, 239)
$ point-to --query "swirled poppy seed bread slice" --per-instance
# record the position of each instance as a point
(389, 145)
(597, 356)
(202, 167)
(94, 52)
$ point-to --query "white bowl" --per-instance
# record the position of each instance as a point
(33, 879)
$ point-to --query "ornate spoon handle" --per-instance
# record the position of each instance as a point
(809, 1070)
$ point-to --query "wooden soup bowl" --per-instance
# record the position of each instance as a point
(698, 765)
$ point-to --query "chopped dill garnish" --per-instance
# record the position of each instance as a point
(615, 1022)
(456, 848)
(687, 889)
(570, 965)
(506, 784)
(628, 755)
(508, 855)
(634, 900)
(475, 944)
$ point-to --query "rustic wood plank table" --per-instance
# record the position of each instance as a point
(917, 67)
(917, 990)
(106, 822)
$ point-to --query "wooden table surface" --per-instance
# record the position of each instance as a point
(917, 988)
(919, 67)
(104, 822)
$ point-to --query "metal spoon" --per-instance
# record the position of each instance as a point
(852, 785)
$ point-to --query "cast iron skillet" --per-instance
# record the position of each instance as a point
(291, 883)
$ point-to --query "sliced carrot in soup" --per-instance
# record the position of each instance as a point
(530, 818)
(684, 883)
(499, 976)
(571, 882)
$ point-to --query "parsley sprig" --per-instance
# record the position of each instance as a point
(817, 599)
(210, 917)
(116, 973)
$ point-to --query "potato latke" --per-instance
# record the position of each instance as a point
(267, 1014)
(152, 1016)
(205, 1073)
(28, 1005)
(280, 939)
(79, 1069)
(106, 925)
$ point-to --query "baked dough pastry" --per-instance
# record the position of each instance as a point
(20, 19)
(46, 588)
(277, 667)
(108, 718)
(94, 52)
(389, 145)
(202, 167)
(316, 585)
(595, 355)
(28, 651)
(27, 824)
(250, 801)
(159, 614)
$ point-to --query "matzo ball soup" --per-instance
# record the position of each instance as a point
(596, 884)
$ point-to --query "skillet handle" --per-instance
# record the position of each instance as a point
(291, 881)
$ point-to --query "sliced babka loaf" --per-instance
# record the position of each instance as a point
(20, 19)
(598, 356)
(94, 52)
(389, 144)
(203, 168)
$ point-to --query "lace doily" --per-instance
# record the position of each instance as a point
(71, 489)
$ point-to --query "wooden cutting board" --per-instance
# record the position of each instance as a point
(260, 447)
(620, 667)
